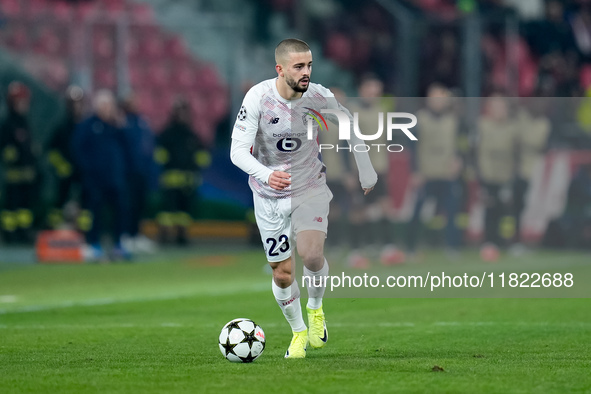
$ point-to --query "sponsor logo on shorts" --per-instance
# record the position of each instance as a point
(318, 219)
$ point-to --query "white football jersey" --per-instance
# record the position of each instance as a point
(277, 130)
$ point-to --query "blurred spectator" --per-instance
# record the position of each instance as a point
(558, 76)
(532, 137)
(576, 220)
(341, 183)
(440, 58)
(581, 28)
(437, 165)
(552, 34)
(141, 141)
(101, 151)
(582, 117)
(375, 222)
(19, 154)
(528, 9)
(60, 154)
(262, 14)
(182, 155)
(495, 157)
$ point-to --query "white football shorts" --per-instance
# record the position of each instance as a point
(278, 219)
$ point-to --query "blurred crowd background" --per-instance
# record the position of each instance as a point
(117, 115)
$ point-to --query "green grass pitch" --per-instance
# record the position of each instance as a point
(152, 327)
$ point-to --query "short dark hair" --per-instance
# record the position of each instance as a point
(290, 45)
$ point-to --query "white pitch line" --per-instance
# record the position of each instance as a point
(8, 299)
(282, 324)
(109, 301)
(492, 323)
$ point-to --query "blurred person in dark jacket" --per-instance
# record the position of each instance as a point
(101, 152)
(60, 156)
(141, 141)
(19, 154)
(182, 155)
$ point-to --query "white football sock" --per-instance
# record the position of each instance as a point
(316, 285)
(289, 302)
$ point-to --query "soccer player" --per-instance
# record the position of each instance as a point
(288, 181)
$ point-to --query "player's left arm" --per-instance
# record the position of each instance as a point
(367, 175)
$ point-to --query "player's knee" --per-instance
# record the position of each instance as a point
(281, 274)
(313, 259)
(282, 278)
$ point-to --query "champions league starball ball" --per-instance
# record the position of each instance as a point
(242, 341)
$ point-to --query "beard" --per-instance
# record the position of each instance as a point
(295, 85)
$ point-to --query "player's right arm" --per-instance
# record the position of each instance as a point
(243, 136)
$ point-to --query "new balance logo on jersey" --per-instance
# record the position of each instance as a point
(318, 219)
(273, 120)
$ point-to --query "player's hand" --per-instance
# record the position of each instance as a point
(279, 180)
(366, 190)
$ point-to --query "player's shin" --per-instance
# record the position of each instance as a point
(289, 302)
(316, 285)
